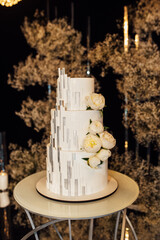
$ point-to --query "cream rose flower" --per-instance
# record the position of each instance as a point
(92, 143)
(103, 154)
(93, 162)
(95, 101)
(108, 141)
(96, 127)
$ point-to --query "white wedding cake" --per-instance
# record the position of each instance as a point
(78, 152)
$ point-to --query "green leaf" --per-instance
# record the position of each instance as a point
(87, 133)
(86, 159)
(99, 150)
(89, 108)
(101, 111)
(90, 121)
(97, 135)
(101, 163)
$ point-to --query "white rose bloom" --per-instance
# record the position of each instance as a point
(93, 162)
(96, 127)
(92, 143)
(103, 154)
(108, 141)
(95, 101)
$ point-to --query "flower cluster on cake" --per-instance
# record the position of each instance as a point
(79, 148)
(97, 141)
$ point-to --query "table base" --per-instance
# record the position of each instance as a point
(53, 222)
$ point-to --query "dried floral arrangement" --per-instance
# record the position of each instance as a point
(55, 44)
(137, 77)
(138, 72)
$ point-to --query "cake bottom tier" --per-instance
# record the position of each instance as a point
(69, 175)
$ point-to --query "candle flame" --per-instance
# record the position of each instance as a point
(2, 173)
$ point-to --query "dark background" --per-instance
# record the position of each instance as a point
(14, 48)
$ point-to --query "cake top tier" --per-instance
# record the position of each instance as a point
(71, 92)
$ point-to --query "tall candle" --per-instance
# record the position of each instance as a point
(125, 29)
(4, 199)
(3, 180)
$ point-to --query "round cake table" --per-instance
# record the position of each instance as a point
(27, 197)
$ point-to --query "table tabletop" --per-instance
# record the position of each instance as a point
(26, 195)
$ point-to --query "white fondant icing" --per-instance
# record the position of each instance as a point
(93, 180)
(72, 91)
(73, 132)
(67, 173)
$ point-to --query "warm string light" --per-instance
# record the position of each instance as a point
(125, 29)
(126, 144)
(137, 46)
(126, 50)
(9, 3)
(126, 237)
(137, 41)
(6, 225)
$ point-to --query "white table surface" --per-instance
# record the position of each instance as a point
(26, 195)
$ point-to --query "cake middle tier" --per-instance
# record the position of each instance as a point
(69, 128)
